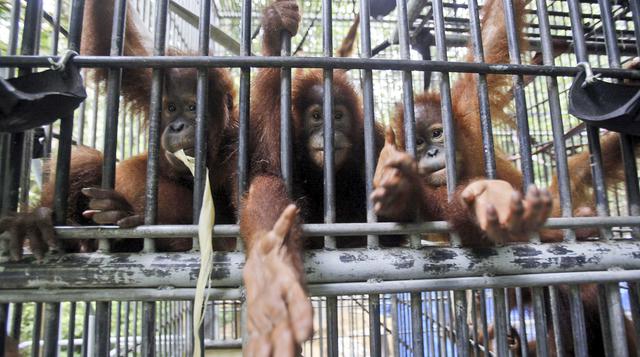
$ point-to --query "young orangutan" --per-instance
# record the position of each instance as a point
(124, 205)
(483, 212)
(280, 315)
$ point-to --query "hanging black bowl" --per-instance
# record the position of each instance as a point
(39, 98)
(613, 106)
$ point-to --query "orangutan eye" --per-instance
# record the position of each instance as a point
(436, 134)
(316, 116)
(419, 141)
(192, 108)
(338, 115)
(171, 107)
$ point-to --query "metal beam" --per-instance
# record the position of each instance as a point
(179, 270)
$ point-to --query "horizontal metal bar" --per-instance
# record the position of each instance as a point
(222, 344)
(179, 270)
(135, 294)
(313, 62)
(353, 288)
(334, 229)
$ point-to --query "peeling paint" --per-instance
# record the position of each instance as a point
(532, 263)
(404, 264)
(560, 250)
(570, 262)
(347, 258)
(438, 268)
(526, 251)
(220, 273)
(441, 255)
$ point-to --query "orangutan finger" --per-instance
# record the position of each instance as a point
(513, 220)
(300, 313)
(282, 339)
(494, 230)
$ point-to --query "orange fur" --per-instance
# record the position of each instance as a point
(175, 187)
(347, 45)
(580, 179)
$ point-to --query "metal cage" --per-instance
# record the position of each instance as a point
(418, 300)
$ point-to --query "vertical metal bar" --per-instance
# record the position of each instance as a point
(395, 326)
(71, 329)
(524, 140)
(127, 320)
(416, 324)
(139, 132)
(14, 32)
(430, 326)
(407, 81)
(5, 148)
(103, 328)
(462, 331)
(332, 326)
(474, 323)
(244, 102)
(603, 314)
(349, 304)
(162, 329)
(114, 78)
(122, 128)
(25, 170)
(157, 84)
(634, 299)
(148, 346)
(555, 112)
(286, 143)
(135, 330)
(118, 326)
(592, 132)
(442, 348)
(616, 320)
(555, 320)
(540, 316)
(522, 327)
(85, 330)
(446, 107)
(16, 321)
(483, 92)
(108, 178)
(202, 94)
(131, 121)
(374, 325)
(52, 321)
(577, 322)
(201, 112)
(328, 130)
(4, 319)
(368, 112)
(37, 330)
(484, 317)
(500, 322)
(93, 126)
(55, 35)
(82, 111)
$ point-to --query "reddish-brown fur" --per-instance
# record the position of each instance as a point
(469, 164)
(466, 119)
(308, 180)
(175, 189)
(268, 196)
